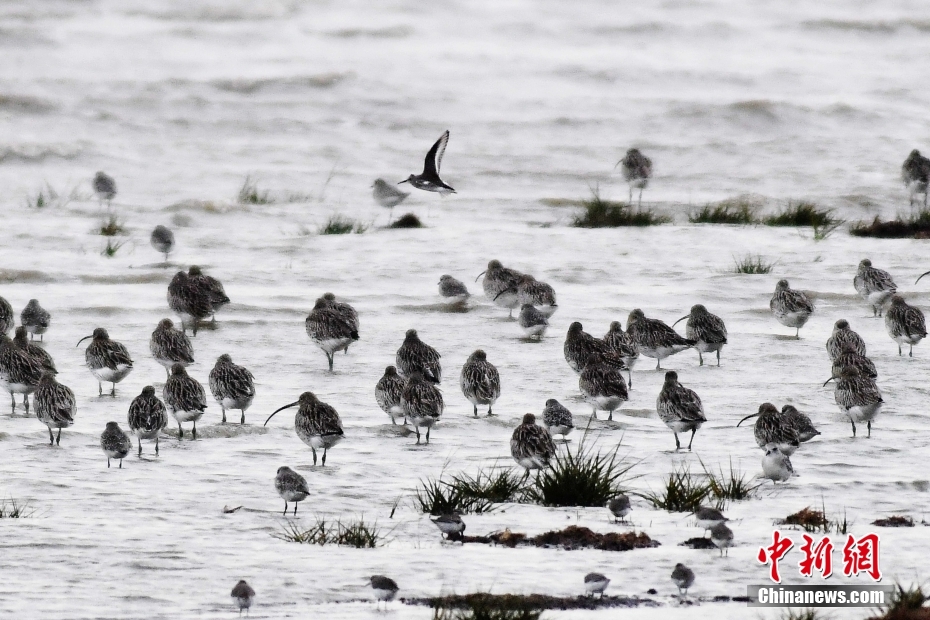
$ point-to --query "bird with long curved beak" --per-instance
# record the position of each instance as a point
(921, 275)
(316, 423)
(774, 428)
(707, 329)
(108, 360)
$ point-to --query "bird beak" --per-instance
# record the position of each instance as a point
(746, 418)
(687, 316)
(828, 381)
(921, 275)
(506, 290)
(82, 340)
(281, 409)
(481, 274)
(404, 181)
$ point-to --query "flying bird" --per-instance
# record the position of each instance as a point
(429, 179)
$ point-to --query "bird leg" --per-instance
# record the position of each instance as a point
(156, 445)
(51, 437)
(224, 414)
(417, 429)
(677, 444)
(693, 431)
(629, 374)
(718, 358)
(870, 428)
(285, 514)
(26, 403)
(427, 433)
(99, 389)
(489, 411)
(640, 202)
(108, 462)
(700, 358)
(314, 454)
(121, 463)
(113, 391)
(909, 354)
(610, 416)
(797, 333)
(140, 446)
(630, 201)
(295, 508)
(324, 457)
(594, 412)
(899, 350)
(854, 426)
(194, 433)
(658, 364)
(242, 421)
(13, 400)
(180, 432)
(329, 356)
(58, 439)
(476, 411)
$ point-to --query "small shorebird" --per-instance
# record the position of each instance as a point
(844, 339)
(905, 324)
(170, 346)
(387, 393)
(56, 406)
(722, 536)
(654, 338)
(421, 402)
(416, 356)
(452, 291)
(104, 187)
(531, 446)
(533, 322)
(232, 386)
(210, 287)
(680, 408)
(619, 507)
(480, 381)
(243, 594)
(35, 319)
(38, 353)
(115, 443)
(451, 525)
(385, 588)
(791, 308)
(387, 196)
(162, 240)
(291, 486)
(637, 170)
(595, 583)
(916, 174)
(429, 179)
(20, 372)
(874, 285)
(706, 329)
(772, 428)
(7, 319)
(185, 398)
(579, 346)
(707, 518)
(858, 397)
(800, 422)
(557, 418)
(621, 343)
(683, 577)
(330, 329)
(602, 385)
(498, 285)
(776, 466)
(147, 417)
(190, 302)
(108, 360)
(316, 423)
(531, 291)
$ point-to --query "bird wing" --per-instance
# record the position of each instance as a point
(434, 157)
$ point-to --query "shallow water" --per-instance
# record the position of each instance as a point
(180, 101)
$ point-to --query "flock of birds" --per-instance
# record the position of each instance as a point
(408, 390)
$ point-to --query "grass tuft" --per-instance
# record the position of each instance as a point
(734, 211)
(753, 265)
(112, 248)
(356, 534)
(340, 225)
(817, 521)
(905, 604)
(408, 220)
(802, 614)
(802, 214)
(249, 194)
(682, 492)
(497, 486)
(439, 497)
(600, 213)
(111, 227)
(916, 226)
(734, 485)
(583, 478)
(11, 509)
